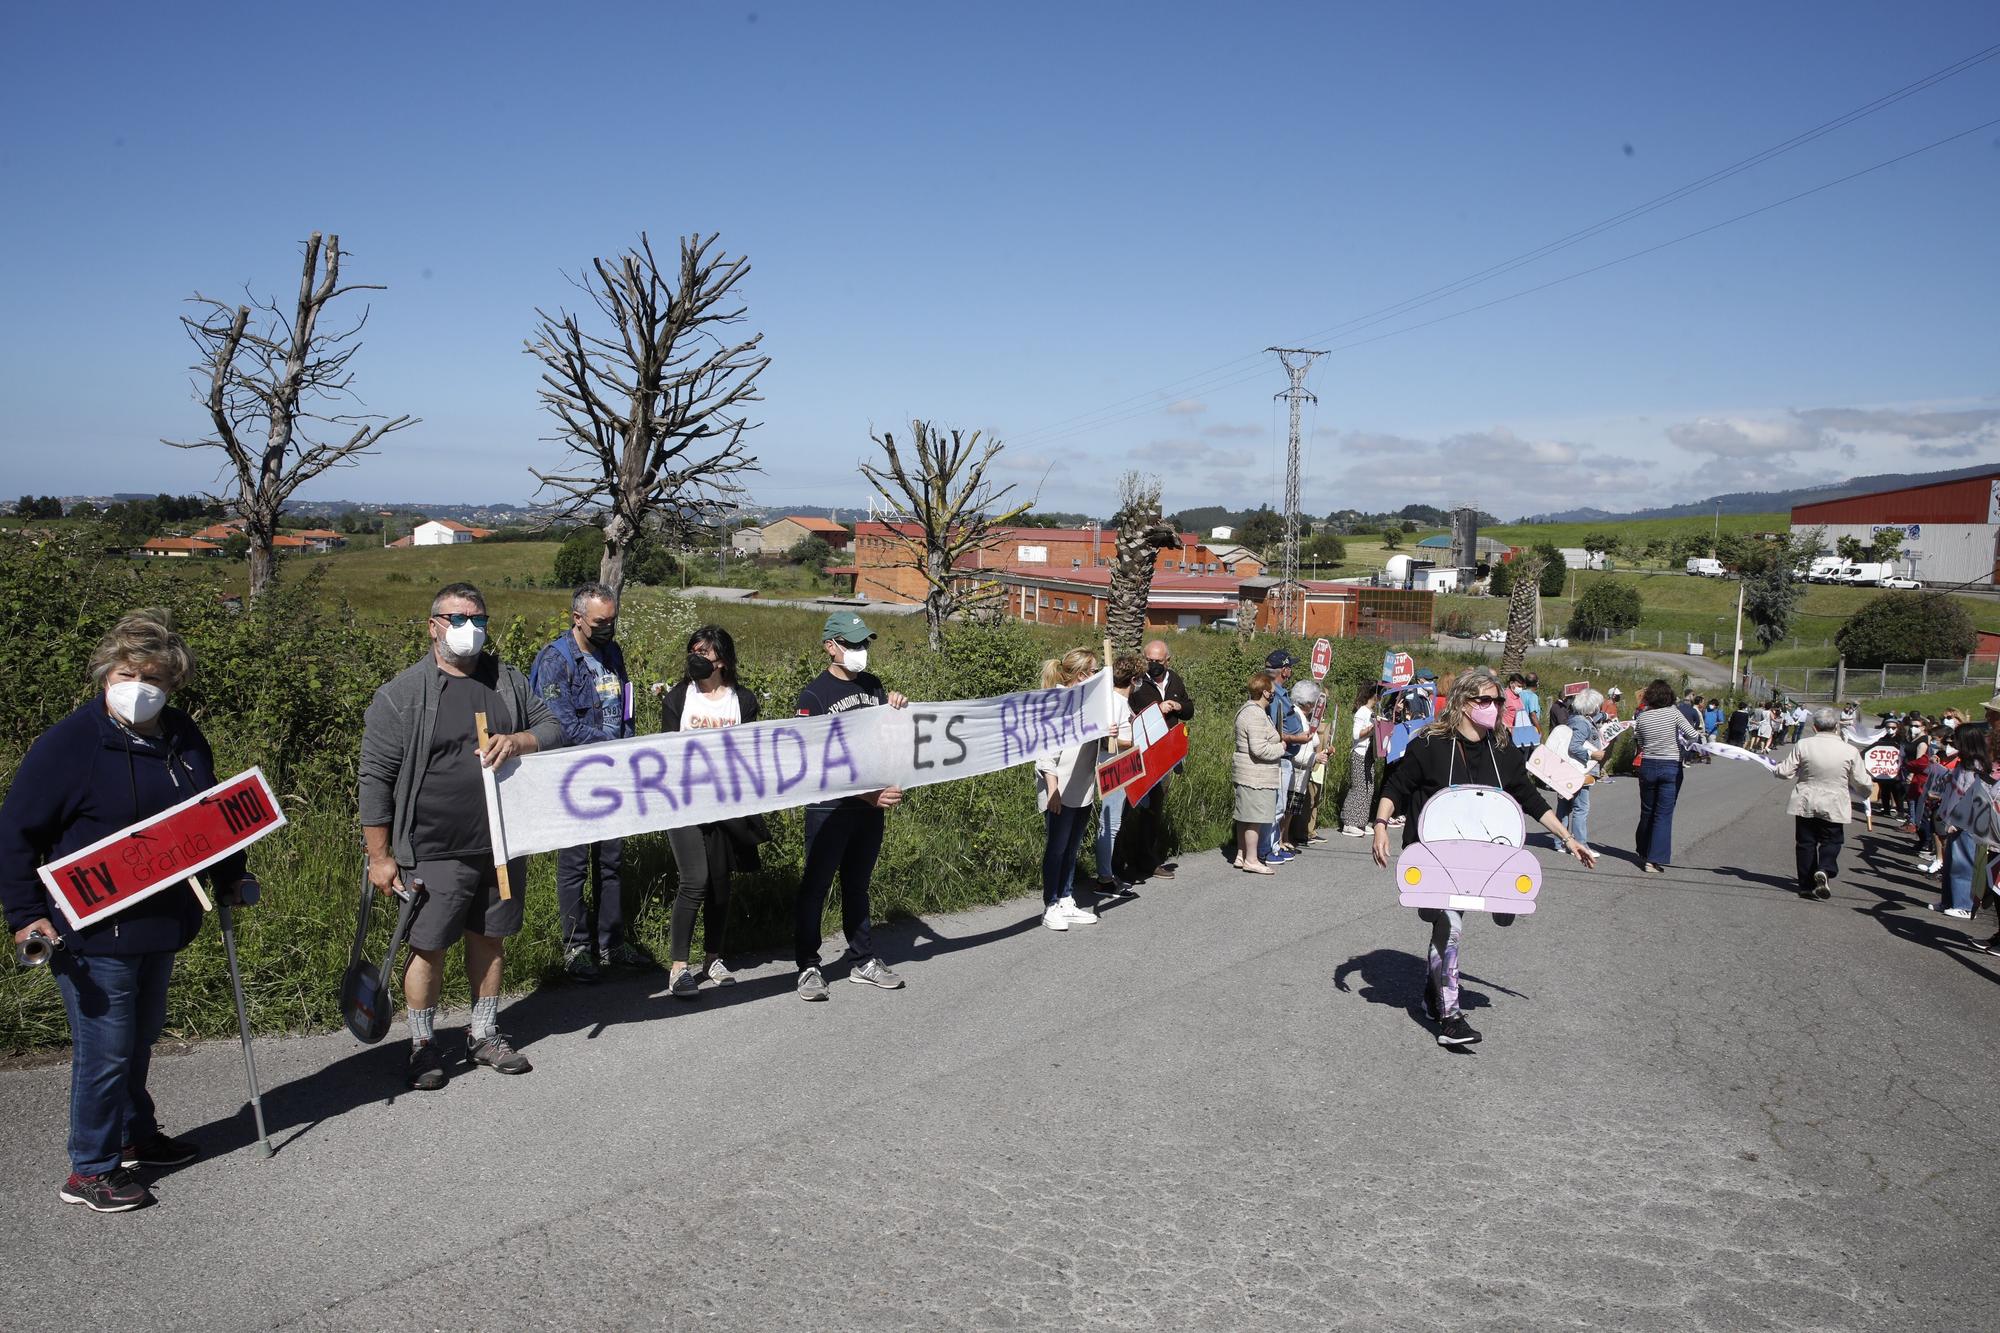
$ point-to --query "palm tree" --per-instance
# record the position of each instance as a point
(1141, 536)
(1521, 605)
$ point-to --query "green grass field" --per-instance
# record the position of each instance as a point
(1635, 532)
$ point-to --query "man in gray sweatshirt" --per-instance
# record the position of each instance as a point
(423, 817)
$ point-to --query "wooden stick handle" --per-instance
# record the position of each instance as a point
(499, 866)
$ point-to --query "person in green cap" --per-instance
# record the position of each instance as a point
(843, 836)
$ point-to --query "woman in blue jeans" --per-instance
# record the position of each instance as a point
(1972, 782)
(1065, 785)
(122, 757)
(1660, 727)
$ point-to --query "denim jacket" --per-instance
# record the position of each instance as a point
(564, 681)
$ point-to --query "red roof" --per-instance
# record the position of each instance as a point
(179, 544)
(1966, 500)
(1107, 536)
(816, 524)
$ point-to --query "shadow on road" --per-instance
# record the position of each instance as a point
(372, 1074)
(1396, 979)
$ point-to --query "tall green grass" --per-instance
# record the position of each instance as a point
(284, 685)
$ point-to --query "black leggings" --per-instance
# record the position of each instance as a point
(704, 874)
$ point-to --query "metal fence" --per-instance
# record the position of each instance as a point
(1895, 681)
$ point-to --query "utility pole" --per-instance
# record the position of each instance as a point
(1296, 361)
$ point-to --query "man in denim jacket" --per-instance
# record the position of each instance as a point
(581, 677)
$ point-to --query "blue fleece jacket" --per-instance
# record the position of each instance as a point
(84, 779)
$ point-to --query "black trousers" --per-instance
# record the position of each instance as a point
(1818, 842)
(589, 897)
(841, 840)
(1142, 837)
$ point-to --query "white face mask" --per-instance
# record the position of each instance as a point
(854, 659)
(135, 702)
(463, 641)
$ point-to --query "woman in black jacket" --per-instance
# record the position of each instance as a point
(121, 758)
(1460, 749)
(707, 697)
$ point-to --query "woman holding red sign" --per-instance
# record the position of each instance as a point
(121, 758)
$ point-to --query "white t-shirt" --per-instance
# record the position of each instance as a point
(1364, 724)
(703, 712)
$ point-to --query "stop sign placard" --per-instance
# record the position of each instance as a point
(1322, 658)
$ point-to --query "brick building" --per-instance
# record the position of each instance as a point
(878, 571)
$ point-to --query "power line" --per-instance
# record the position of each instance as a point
(1570, 277)
(1199, 381)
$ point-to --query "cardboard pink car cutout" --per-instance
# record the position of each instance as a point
(1471, 857)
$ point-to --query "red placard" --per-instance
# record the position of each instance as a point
(1120, 769)
(139, 861)
(1575, 687)
(1398, 668)
(1161, 758)
(1322, 658)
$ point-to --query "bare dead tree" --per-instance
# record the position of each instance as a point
(1141, 536)
(271, 392)
(954, 509)
(654, 406)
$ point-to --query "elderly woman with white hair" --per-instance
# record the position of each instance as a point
(1830, 775)
(1586, 712)
(123, 756)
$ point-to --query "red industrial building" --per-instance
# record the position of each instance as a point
(1951, 529)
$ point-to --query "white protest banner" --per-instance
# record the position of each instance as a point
(1721, 751)
(1884, 761)
(588, 793)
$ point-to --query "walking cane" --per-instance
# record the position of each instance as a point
(243, 1024)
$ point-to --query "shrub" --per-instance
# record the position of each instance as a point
(1906, 627)
(1605, 605)
(812, 552)
(1554, 571)
(577, 559)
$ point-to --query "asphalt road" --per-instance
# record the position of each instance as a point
(1701, 1103)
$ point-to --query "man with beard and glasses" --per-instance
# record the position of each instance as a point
(423, 817)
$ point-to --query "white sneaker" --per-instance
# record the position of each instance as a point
(1055, 918)
(1350, 831)
(1955, 913)
(1077, 916)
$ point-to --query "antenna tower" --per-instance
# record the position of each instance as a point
(1291, 605)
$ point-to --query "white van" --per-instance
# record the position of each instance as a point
(1825, 569)
(1706, 568)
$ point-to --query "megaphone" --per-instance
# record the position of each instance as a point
(36, 950)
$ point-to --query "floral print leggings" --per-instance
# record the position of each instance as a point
(1447, 928)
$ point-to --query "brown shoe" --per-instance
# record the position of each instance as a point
(1163, 872)
(497, 1054)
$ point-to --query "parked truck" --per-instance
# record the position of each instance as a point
(1706, 568)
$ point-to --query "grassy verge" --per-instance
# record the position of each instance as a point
(283, 686)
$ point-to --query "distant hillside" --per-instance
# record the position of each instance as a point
(1771, 502)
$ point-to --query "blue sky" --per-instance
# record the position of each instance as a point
(1015, 217)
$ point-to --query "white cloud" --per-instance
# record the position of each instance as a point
(1222, 430)
(1745, 437)
(1187, 407)
(1911, 425)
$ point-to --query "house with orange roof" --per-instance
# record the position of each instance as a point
(178, 548)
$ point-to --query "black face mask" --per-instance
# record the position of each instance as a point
(699, 667)
(1156, 669)
(603, 634)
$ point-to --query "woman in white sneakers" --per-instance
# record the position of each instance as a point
(1065, 784)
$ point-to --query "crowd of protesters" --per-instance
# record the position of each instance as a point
(127, 755)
